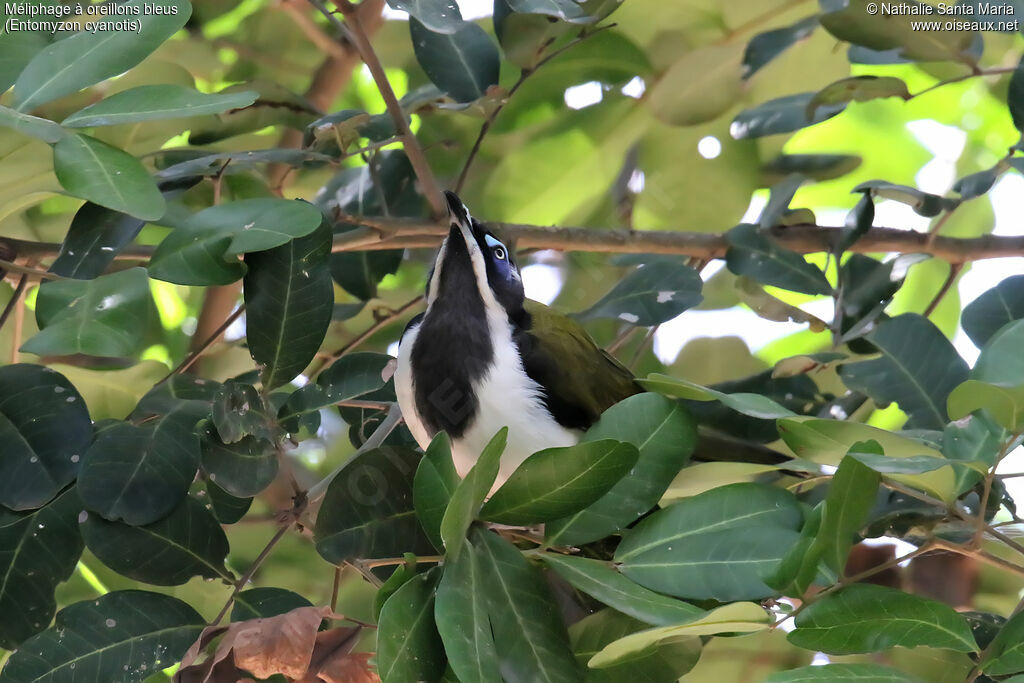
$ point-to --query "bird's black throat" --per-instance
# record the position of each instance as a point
(453, 347)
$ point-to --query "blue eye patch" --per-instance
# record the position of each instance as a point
(492, 242)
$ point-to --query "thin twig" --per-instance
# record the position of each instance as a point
(366, 334)
(393, 561)
(987, 488)
(194, 355)
(240, 584)
(418, 160)
(15, 298)
(991, 71)
(29, 271)
(954, 271)
(336, 588)
(760, 19)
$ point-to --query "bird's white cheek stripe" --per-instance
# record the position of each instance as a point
(435, 281)
(480, 270)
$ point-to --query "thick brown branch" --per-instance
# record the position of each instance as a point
(391, 233)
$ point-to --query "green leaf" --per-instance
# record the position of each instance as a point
(779, 197)
(663, 661)
(764, 47)
(238, 412)
(976, 184)
(470, 493)
(88, 57)
(188, 542)
(45, 429)
(754, 405)
(403, 573)
(918, 369)
(556, 482)
(95, 237)
(1005, 655)
(155, 103)
(461, 617)
(439, 16)
(464, 64)
(755, 254)
(202, 250)
(850, 497)
(529, 633)
(923, 203)
(138, 474)
(232, 163)
(858, 222)
(350, 377)
(566, 10)
(244, 468)
(975, 441)
(857, 89)
(1002, 304)
(266, 601)
(601, 582)
(367, 511)
(718, 544)
(122, 636)
(650, 295)
(408, 645)
(800, 567)
(1000, 361)
(814, 166)
(289, 299)
(39, 550)
(105, 175)
(844, 673)
(227, 508)
(781, 115)
(739, 617)
(33, 126)
(17, 48)
(865, 618)
(700, 86)
(106, 316)
(1004, 403)
(828, 441)
(1015, 96)
(664, 434)
(434, 485)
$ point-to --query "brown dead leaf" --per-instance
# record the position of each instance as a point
(334, 662)
(352, 668)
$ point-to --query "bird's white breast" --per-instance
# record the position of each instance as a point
(506, 397)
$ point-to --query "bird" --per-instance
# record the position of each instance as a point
(482, 356)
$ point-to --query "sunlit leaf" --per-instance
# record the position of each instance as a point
(155, 102)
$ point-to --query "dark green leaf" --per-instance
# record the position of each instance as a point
(138, 474)
(106, 316)
(263, 602)
(857, 89)
(1000, 305)
(843, 673)
(352, 376)
(529, 634)
(600, 581)
(1005, 655)
(800, 566)
(227, 508)
(275, 105)
(359, 272)
(923, 203)
(758, 256)
(433, 486)
(782, 115)
(231, 163)
(88, 57)
(976, 184)
(556, 482)
(664, 433)
(461, 616)
(403, 573)
(650, 295)
(93, 240)
(153, 103)
(779, 198)
(202, 251)
(33, 126)
(38, 550)
(45, 429)
(850, 497)
(858, 222)
(754, 405)
(408, 645)
(105, 175)
(764, 47)
(122, 636)
(367, 511)
(289, 299)
(865, 618)
(665, 661)
(1015, 96)
(1000, 360)
(439, 16)
(718, 544)
(974, 440)
(470, 493)
(17, 48)
(188, 542)
(238, 412)
(243, 468)
(464, 64)
(918, 369)
(566, 10)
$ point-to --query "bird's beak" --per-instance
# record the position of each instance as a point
(459, 218)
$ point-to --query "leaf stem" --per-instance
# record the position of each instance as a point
(202, 348)
(15, 298)
(240, 584)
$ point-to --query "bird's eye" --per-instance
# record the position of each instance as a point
(499, 253)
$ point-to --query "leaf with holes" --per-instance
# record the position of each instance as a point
(289, 299)
(650, 295)
(188, 542)
(352, 376)
(108, 176)
(45, 429)
(121, 636)
(244, 468)
(39, 550)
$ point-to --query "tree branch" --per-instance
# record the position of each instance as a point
(428, 183)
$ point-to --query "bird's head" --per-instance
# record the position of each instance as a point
(471, 261)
